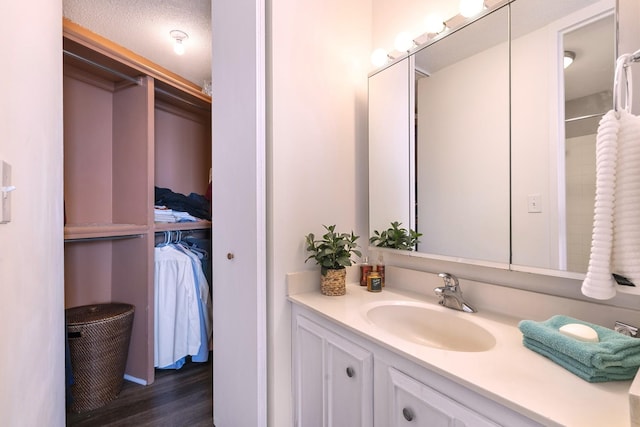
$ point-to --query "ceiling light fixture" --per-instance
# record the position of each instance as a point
(178, 37)
(569, 57)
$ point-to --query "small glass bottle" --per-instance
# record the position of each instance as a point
(365, 269)
(374, 282)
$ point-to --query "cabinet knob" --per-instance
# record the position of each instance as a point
(350, 372)
(407, 413)
(230, 255)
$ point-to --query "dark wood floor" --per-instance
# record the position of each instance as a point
(177, 398)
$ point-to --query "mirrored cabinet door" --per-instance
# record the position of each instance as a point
(390, 147)
(462, 142)
(555, 112)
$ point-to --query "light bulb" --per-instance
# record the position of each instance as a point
(569, 57)
(178, 47)
(434, 23)
(403, 42)
(178, 41)
(379, 57)
(469, 8)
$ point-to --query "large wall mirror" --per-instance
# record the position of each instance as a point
(501, 158)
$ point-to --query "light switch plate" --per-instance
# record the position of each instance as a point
(5, 196)
(534, 203)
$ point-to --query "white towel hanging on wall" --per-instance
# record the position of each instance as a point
(615, 246)
(625, 259)
(599, 283)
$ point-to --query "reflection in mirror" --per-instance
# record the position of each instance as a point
(390, 154)
(555, 113)
(462, 142)
(588, 95)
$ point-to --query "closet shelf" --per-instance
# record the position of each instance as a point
(89, 231)
(173, 226)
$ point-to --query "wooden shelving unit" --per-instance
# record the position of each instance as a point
(129, 125)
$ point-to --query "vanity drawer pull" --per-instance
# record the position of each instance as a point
(350, 372)
(407, 413)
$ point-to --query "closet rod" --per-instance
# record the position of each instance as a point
(179, 98)
(90, 239)
(589, 116)
(186, 231)
(135, 80)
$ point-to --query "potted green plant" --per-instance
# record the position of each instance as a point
(333, 253)
(396, 238)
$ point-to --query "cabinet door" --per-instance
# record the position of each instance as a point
(349, 384)
(308, 374)
(415, 404)
(333, 379)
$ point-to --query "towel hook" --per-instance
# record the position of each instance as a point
(623, 78)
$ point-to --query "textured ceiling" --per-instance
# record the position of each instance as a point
(143, 26)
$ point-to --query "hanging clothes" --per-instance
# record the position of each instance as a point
(204, 304)
(182, 303)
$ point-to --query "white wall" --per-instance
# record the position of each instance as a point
(317, 150)
(31, 245)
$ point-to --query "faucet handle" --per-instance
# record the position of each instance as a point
(449, 280)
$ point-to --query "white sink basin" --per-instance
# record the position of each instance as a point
(436, 327)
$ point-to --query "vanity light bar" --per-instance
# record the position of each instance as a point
(381, 57)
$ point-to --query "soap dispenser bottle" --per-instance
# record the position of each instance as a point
(365, 269)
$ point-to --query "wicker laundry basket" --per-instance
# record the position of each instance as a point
(99, 338)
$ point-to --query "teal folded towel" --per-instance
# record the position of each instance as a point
(615, 357)
(587, 373)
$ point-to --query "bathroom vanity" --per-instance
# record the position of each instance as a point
(397, 358)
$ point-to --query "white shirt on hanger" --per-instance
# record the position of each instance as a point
(176, 320)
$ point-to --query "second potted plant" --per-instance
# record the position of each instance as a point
(396, 238)
(333, 253)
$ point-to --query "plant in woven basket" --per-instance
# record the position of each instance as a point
(333, 253)
(334, 250)
(396, 238)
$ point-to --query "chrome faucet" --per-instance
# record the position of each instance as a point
(451, 295)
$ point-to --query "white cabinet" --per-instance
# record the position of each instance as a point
(338, 382)
(413, 403)
(333, 378)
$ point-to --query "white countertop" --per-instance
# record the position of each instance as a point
(508, 373)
